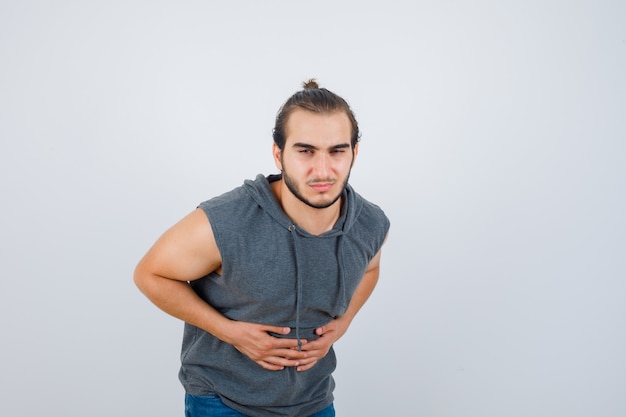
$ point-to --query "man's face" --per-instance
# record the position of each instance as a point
(317, 156)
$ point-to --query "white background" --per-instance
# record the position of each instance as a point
(493, 136)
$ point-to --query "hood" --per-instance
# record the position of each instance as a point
(260, 190)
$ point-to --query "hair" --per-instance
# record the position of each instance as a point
(317, 100)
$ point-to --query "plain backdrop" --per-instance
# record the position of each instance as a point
(493, 137)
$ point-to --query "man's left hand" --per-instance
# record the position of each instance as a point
(317, 349)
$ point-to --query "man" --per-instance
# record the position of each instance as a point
(269, 275)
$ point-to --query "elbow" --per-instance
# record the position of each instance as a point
(140, 278)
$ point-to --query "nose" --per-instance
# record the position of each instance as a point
(322, 165)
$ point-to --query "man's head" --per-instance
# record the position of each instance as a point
(315, 145)
(316, 100)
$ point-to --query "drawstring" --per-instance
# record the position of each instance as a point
(342, 287)
(294, 232)
(340, 259)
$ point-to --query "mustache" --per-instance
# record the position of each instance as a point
(321, 181)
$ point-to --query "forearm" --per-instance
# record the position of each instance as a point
(363, 290)
(178, 299)
(361, 295)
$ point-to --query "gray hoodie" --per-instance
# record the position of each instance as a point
(275, 273)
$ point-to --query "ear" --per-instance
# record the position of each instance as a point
(276, 152)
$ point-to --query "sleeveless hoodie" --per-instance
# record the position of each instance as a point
(275, 273)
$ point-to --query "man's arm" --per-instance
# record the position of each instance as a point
(335, 329)
(186, 252)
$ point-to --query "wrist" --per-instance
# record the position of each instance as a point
(221, 328)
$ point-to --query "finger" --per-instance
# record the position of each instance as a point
(306, 367)
(292, 354)
(325, 329)
(318, 344)
(270, 366)
(308, 361)
(276, 329)
(285, 343)
(284, 362)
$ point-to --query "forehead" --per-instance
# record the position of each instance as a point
(318, 128)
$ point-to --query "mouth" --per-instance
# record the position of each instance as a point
(321, 187)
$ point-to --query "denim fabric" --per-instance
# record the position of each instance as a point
(210, 405)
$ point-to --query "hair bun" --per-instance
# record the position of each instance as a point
(310, 84)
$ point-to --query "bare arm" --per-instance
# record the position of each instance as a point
(186, 252)
(335, 329)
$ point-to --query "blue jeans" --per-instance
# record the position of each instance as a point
(212, 406)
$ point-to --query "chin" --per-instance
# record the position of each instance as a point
(323, 203)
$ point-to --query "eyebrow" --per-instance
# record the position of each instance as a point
(308, 146)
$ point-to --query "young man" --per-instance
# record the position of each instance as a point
(269, 275)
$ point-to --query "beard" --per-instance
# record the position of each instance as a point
(292, 186)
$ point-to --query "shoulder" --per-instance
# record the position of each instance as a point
(370, 214)
(231, 214)
(234, 197)
(370, 225)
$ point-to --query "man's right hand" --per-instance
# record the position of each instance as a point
(272, 353)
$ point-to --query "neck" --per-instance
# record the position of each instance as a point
(314, 220)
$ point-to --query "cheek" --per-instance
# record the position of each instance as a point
(346, 165)
(298, 163)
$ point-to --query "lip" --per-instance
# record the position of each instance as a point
(322, 187)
